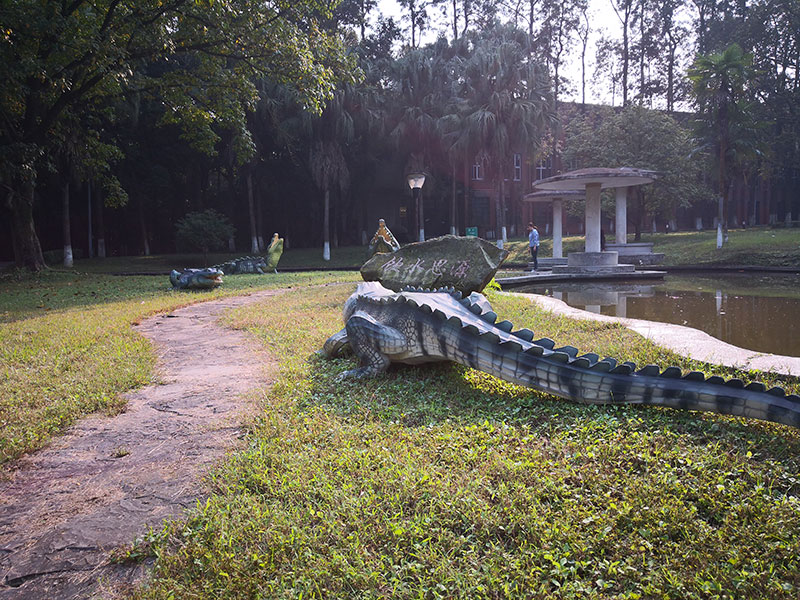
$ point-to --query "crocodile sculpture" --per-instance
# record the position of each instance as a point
(255, 264)
(417, 326)
(196, 279)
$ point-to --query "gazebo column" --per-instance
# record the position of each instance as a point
(557, 228)
(593, 217)
(621, 235)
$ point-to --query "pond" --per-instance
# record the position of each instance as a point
(757, 311)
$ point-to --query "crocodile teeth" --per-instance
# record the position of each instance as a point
(571, 350)
(506, 326)
(489, 316)
(694, 376)
(777, 391)
(623, 369)
(649, 371)
(735, 383)
(671, 373)
(545, 343)
(756, 386)
(581, 363)
(525, 334)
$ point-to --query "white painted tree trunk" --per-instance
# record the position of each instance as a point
(66, 225)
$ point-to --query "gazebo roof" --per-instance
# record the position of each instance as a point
(549, 196)
(606, 177)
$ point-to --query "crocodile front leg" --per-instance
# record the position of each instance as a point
(372, 342)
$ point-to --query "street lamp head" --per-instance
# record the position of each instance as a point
(416, 180)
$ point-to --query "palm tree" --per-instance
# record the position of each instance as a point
(510, 107)
(725, 124)
(330, 132)
(424, 84)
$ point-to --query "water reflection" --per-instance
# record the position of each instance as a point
(758, 312)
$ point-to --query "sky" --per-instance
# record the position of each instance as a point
(602, 19)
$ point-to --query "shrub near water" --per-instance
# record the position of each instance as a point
(441, 482)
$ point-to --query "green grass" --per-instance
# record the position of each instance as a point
(67, 348)
(345, 257)
(756, 246)
(442, 482)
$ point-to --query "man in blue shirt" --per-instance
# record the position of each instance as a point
(533, 244)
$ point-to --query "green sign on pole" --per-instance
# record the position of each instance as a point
(472, 232)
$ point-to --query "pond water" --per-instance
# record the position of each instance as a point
(757, 311)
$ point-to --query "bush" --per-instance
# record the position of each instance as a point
(205, 230)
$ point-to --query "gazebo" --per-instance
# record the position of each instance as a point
(590, 182)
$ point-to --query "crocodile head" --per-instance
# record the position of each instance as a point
(196, 279)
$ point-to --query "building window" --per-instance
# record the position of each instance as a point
(544, 168)
(517, 167)
(477, 171)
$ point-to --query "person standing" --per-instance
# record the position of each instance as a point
(533, 244)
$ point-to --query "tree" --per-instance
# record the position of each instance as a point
(56, 57)
(725, 121)
(641, 138)
(204, 231)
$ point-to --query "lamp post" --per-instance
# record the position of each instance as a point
(415, 182)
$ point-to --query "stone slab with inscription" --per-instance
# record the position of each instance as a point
(467, 264)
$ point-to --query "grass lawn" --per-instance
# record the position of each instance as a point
(754, 246)
(434, 481)
(439, 481)
(67, 347)
(758, 246)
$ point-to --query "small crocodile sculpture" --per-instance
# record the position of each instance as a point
(196, 279)
(417, 326)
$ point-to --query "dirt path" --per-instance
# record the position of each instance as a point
(109, 478)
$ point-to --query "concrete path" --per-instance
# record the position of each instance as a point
(94, 489)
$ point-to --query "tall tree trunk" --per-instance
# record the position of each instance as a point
(27, 249)
(101, 228)
(262, 246)
(501, 213)
(466, 192)
(252, 210)
(143, 228)
(326, 229)
(453, 224)
(65, 224)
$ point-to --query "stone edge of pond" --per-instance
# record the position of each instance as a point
(687, 341)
